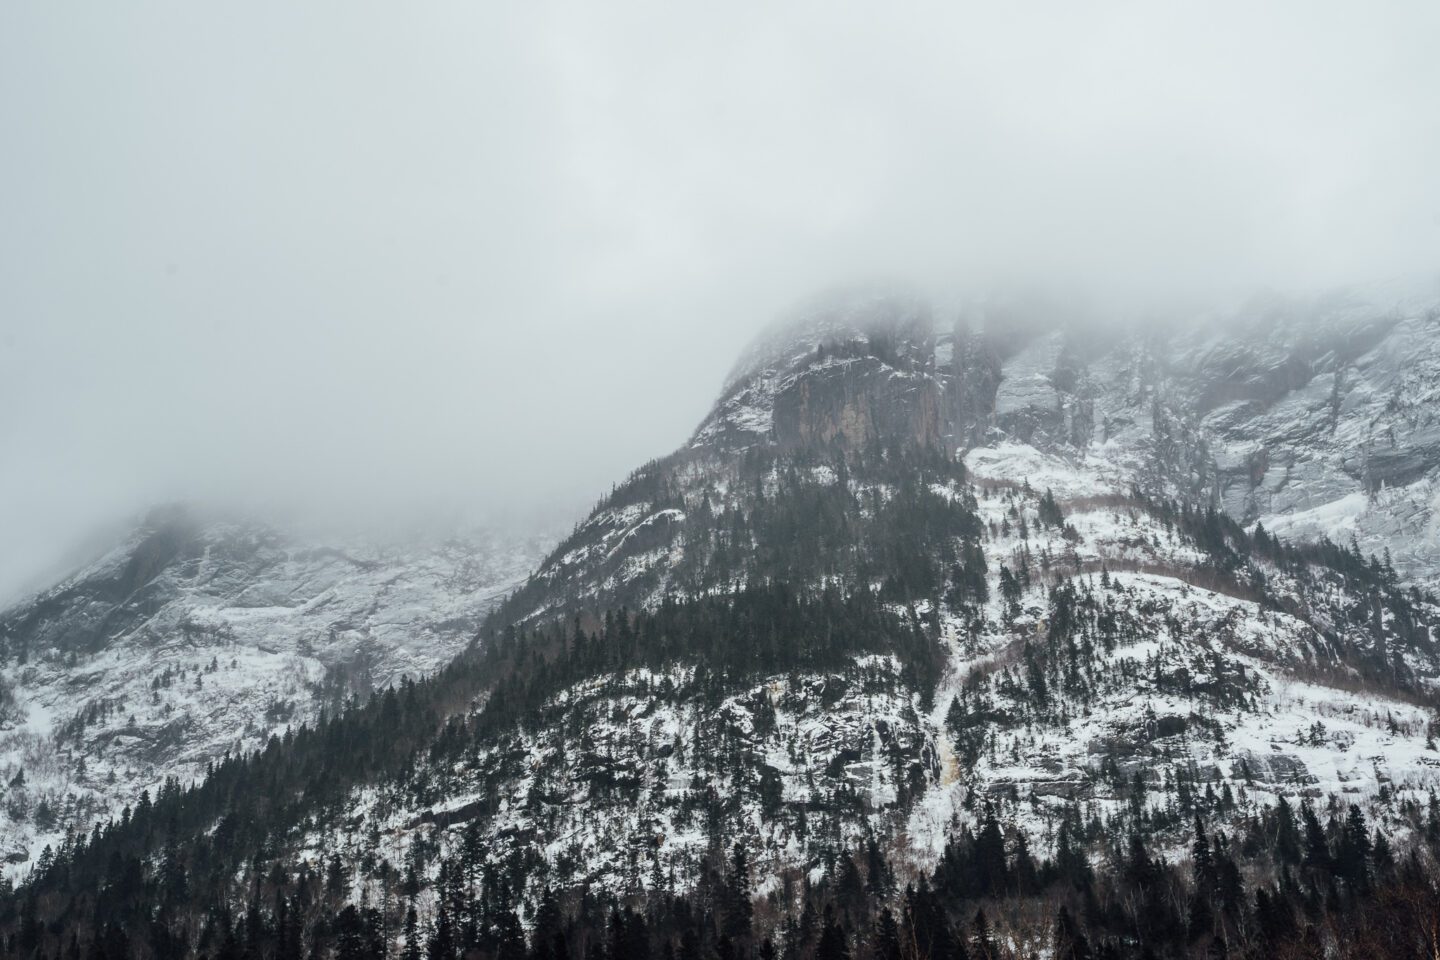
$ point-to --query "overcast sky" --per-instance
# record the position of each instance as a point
(497, 254)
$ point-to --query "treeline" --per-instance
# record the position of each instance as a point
(728, 640)
(1281, 883)
(1395, 619)
(798, 517)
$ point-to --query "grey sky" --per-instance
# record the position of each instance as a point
(497, 254)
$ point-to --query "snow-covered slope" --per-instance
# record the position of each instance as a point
(1132, 679)
(907, 577)
(1142, 666)
(1317, 418)
(192, 638)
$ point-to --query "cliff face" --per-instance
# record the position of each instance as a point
(973, 372)
(856, 404)
(1318, 418)
(844, 378)
(79, 616)
(1315, 419)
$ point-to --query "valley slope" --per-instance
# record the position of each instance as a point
(910, 583)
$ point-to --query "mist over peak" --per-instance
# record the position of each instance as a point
(523, 257)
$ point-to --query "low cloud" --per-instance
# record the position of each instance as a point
(493, 257)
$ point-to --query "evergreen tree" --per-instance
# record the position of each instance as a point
(887, 936)
(508, 935)
(350, 936)
(738, 905)
(411, 933)
(833, 943)
(982, 938)
(1070, 942)
(991, 872)
(1317, 849)
(879, 878)
(1287, 834)
(1202, 859)
(441, 945)
(1352, 860)
(1203, 877)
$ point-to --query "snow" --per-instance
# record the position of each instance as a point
(258, 633)
(1336, 519)
(1016, 463)
(1171, 621)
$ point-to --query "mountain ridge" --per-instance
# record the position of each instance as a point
(200, 635)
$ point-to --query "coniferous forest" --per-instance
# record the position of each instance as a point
(1331, 885)
(210, 870)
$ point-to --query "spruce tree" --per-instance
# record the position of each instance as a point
(738, 900)
(1202, 878)
(1287, 833)
(1070, 942)
(833, 944)
(441, 945)
(982, 938)
(887, 936)
(1317, 849)
(411, 934)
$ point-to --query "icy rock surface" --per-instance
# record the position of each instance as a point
(1317, 418)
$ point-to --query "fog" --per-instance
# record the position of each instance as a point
(483, 259)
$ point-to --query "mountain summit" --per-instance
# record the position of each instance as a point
(1315, 418)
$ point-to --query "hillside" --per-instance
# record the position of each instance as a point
(1002, 618)
(197, 638)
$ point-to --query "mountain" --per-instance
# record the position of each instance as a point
(199, 637)
(1316, 420)
(994, 608)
